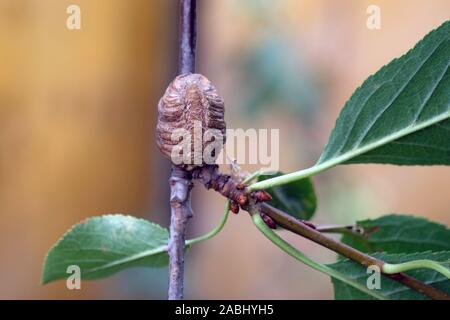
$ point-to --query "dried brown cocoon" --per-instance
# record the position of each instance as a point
(190, 102)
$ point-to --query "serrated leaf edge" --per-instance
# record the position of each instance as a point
(89, 220)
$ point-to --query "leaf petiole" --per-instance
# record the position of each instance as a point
(293, 252)
(416, 264)
(322, 166)
(214, 231)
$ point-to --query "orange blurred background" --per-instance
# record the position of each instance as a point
(78, 112)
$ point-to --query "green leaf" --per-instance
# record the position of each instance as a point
(400, 115)
(104, 245)
(297, 198)
(391, 288)
(399, 234)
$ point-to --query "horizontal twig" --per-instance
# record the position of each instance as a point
(294, 225)
(210, 177)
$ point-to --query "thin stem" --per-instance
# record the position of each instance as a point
(188, 36)
(181, 212)
(224, 219)
(291, 177)
(252, 176)
(322, 166)
(210, 177)
(181, 180)
(348, 229)
(289, 249)
(290, 223)
(214, 231)
(416, 264)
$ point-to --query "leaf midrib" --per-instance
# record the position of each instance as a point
(381, 142)
(319, 167)
(400, 91)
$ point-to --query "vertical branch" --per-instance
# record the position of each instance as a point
(188, 36)
(181, 180)
(180, 188)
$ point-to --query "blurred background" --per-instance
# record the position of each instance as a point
(78, 112)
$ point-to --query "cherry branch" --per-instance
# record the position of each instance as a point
(307, 231)
(180, 180)
(180, 188)
(253, 202)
